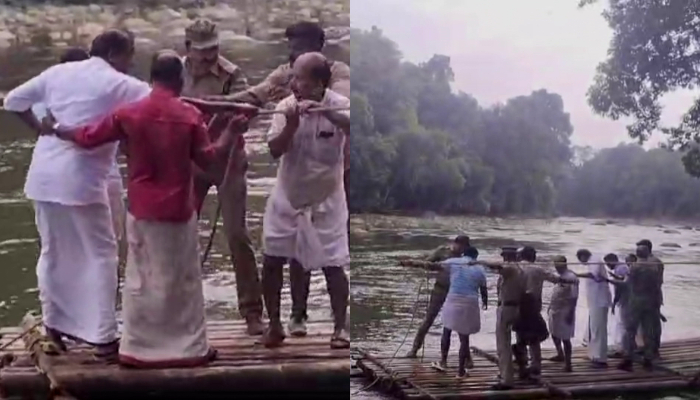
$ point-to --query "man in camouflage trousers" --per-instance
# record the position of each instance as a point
(643, 307)
(658, 325)
(208, 73)
(303, 37)
(439, 293)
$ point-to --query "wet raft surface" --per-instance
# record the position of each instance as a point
(416, 379)
(303, 364)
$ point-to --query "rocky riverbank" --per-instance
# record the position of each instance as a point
(241, 22)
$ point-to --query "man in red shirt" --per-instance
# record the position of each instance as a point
(163, 302)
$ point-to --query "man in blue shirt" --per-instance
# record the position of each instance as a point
(461, 309)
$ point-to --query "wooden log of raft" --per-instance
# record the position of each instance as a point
(554, 390)
(39, 349)
(327, 376)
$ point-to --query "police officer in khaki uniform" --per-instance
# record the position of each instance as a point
(511, 288)
(208, 73)
(303, 37)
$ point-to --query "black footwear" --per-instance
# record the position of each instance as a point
(501, 386)
(567, 368)
(412, 354)
(599, 365)
(617, 355)
(626, 366)
(647, 364)
(557, 358)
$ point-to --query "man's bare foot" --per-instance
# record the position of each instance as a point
(273, 336)
(255, 326)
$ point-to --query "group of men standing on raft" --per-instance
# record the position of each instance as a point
(176, 149)
(635, 306)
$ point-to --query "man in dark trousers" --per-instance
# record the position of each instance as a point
(439, 293)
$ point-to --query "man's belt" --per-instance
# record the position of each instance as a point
(508, 303)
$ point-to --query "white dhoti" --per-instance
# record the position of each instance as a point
(115, 192)
(598, 334)
(77, 270)
(462, 314)
(558, 326)
(163, 300)
(618, 328)
(316, 237)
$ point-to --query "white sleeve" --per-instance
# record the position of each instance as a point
(131, 90)
(23, 97)
(594, 267)
(344, 102)
(279, 121)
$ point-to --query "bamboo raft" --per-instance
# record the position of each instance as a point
(415, 379)
(307, 365)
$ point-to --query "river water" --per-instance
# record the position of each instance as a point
(384, 295)
(18, 236)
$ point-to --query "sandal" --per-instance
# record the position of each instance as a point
(340, 341)
(272, 337)
(438, 366)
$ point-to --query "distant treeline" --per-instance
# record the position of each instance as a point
(418, 146)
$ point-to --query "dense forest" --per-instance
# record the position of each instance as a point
(416, 145)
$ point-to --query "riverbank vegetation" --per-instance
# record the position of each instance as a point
(416, 146)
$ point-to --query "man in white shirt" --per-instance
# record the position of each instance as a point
(599, 300)
(77, 267)
(618, 271)
(306, 215)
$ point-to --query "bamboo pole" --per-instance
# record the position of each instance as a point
(213, 107)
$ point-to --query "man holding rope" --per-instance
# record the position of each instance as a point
(303, 37)
(208, 73)
(439, 293)
(306, 214)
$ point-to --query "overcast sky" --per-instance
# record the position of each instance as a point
(504, 48)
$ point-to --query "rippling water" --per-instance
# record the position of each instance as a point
(384, 295)
(18, 236)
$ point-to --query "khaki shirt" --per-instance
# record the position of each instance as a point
(535, 276)
(644, 284)
(224, 78)
(511, 283)
(442, 253)
(277, 86)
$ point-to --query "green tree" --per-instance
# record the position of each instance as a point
(655, 50)
(417, 145)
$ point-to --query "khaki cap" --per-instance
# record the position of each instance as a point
(202, 34)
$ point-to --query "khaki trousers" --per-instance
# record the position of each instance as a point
(232, 195)
(505, 318)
